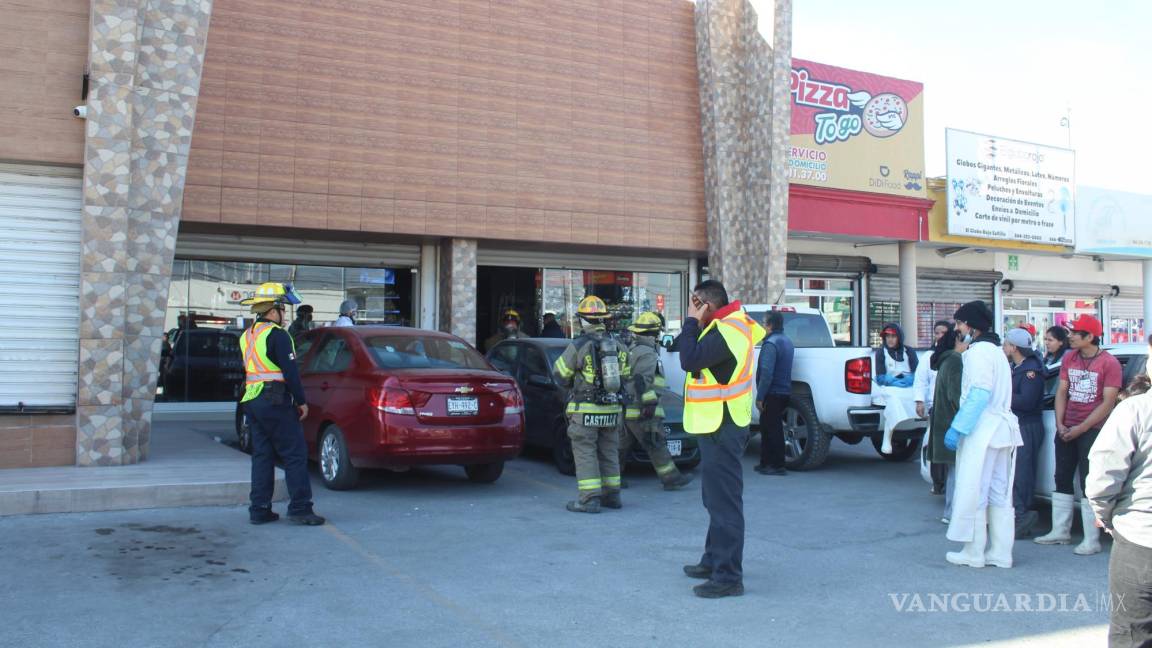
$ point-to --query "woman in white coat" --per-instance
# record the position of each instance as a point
(985, 435)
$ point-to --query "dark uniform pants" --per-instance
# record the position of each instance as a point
(276, 433)
(722, 489)
(772, 431)
(1024, 484)
(597, 454)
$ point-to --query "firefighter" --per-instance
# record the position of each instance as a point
(275, 404)
(594, 368)
(510, 329)
(643, 415)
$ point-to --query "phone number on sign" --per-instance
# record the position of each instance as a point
(807, 174)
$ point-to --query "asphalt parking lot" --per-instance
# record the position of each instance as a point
(837, 557)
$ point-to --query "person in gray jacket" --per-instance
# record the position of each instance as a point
(1119, 487)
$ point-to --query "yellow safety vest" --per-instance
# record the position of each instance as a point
(705, 398)
(258, 367)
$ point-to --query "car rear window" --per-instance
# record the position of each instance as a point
(419, 352)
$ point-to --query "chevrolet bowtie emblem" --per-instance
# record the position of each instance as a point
(464, 390)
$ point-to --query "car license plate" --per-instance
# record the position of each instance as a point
(675, 447)
(601, 420)
(466, 406)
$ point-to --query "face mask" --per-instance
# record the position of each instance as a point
(510, 329)
(968, 338)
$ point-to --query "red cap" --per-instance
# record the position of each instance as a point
(1088, 324)
(1028, 326)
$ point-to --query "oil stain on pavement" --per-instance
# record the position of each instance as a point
(135, 552)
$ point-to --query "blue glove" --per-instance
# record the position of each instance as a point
(883, 380)
(904, 381)
(970, 410)
(952, 438)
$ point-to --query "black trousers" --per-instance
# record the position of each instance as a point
(1024, 485)
(1130, 586)
(276, 432)
(772, 431)
(722, 489)
(1071, 455)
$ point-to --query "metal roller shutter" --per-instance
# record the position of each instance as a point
(935, 286)
(1122, 308)
(1057, 290)
(40, 230)
(575, 261)
(296, 251)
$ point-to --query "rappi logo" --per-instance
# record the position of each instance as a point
(847, 113)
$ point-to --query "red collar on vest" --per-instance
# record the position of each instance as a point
(732, 307)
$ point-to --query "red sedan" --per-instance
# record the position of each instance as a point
(387, 397)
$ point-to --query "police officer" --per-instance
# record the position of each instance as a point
(594, 367)
(510, 329)
(643, 416)
(275, 404)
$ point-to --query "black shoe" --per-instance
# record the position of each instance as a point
(591, 506)
(263, 517)
(713, 589)
(611, 500)
(306, 519)
(1025, 523)
(698, 571)
(937, 489)
(681, 481)
(769, 470)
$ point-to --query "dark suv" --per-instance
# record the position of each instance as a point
(530, 362)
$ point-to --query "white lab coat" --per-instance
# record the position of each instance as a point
(343, 320)
(986, 458)
(924, 384)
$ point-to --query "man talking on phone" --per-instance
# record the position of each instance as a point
(717, 346)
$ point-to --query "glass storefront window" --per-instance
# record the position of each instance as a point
(1127, 330)
(1045, 313)
(205, 318)
(834, 298)
(626, 294)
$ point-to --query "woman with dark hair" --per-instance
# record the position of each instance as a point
(1056, 344)
(949, 368)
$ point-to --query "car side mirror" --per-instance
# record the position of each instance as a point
(668, 342)
(538, 380)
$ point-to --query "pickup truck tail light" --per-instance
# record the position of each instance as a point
(391, 400)
(858, 376)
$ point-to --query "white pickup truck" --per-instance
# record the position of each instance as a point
(831, 393)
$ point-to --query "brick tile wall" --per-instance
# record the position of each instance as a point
(553, 121)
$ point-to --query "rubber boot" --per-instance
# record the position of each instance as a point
(972, 555)
(611, 500)
(1091, 543)
(591, 506)
(681, 480)
(1061, 533)
(1001, 536)
(1025, 523)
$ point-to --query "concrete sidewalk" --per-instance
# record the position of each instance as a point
(187, 467)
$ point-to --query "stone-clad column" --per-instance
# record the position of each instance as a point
(745, 123)
(145, 60)
(458, 288)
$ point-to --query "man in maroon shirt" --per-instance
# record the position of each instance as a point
(1090, 380)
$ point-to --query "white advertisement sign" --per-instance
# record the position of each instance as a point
(1010, 190)
(1113, 222)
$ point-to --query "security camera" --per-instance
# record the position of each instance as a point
(80, 111)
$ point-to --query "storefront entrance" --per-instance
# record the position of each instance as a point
(499, 290)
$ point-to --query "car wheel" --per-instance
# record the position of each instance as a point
(243, 430)
(485, 473)
(562, 449)
(805, 439)
(336, 469)
(902, 450)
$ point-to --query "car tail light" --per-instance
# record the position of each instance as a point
(858, 376)
(513, 401)
(391, 400)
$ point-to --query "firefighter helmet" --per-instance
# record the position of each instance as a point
(593, 308)
(272, 292)
(647, 323)
(511, 314)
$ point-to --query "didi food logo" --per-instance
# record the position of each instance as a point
(847, 113)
